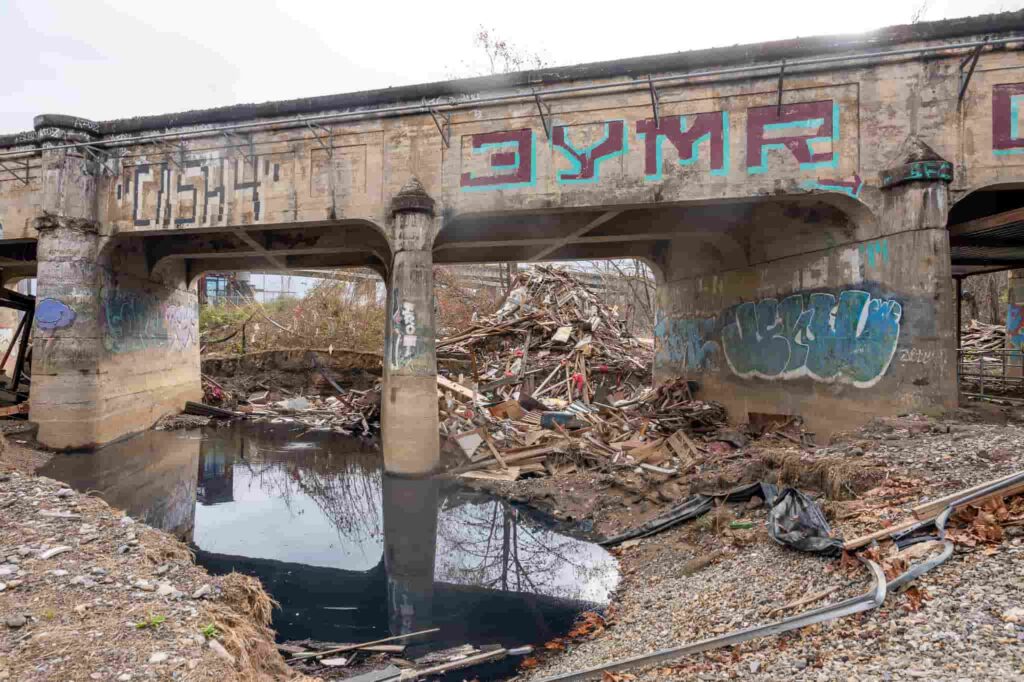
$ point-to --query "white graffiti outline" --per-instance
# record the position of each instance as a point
(894, 308)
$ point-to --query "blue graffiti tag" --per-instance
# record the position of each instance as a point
(851, 341)
(53, 314)
(687, 342)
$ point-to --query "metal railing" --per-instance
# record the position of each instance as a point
(991, 373)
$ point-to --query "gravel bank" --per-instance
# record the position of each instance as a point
(88, 594)
(969, 627)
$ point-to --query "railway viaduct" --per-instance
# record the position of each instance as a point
(805, 204)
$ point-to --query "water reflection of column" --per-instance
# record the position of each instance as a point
(410, 542)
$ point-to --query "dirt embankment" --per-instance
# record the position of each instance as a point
(86, 593)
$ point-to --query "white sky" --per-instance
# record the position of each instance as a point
(103, 59)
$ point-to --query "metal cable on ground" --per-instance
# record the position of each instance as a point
(865, 602)
(871, 599)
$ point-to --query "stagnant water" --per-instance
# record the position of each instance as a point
(351, 554)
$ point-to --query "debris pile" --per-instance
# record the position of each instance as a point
(349, 412)
(553, 378)
(554, 372)
(385, 660)
(979, 336)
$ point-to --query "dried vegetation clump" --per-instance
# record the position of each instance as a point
(332, 315)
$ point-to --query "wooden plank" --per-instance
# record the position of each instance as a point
(458, 388)
(351, 647)
(909, 523)
(494, 450)
(863, 540)
(931, 509)
(20, 408)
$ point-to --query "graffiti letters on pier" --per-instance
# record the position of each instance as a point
(138, 320)
(808, 132)
(1015, 325)
(1006, 101)
(404, 337)
(849, 339)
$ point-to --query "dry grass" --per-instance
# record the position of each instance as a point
(243, 619)
(838, 478)
(332, 314)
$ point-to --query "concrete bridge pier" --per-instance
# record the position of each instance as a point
(409, 401)
(822, 309)
(114, 348)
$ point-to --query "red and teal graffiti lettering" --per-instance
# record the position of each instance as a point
(1006, 100)
(712, 128)
(511, 158)
(799, 128)
(586, 163)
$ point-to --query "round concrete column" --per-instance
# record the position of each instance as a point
(409, 402)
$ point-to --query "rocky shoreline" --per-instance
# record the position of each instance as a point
(86, 593)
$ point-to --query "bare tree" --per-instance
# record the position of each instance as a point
(502, 55)
(922, 9)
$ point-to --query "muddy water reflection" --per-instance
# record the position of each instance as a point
(351, 554)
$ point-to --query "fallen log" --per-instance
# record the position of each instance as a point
(204, 410)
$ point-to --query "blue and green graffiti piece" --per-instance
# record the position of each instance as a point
(687, 342)
(850, 341)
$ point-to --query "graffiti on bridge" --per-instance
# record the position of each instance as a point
(849, 339)
(808, 132)
(1015, 325)
(404, 336)
(687, 341)
(52, 314)
(1006, 101)
(137, 320)
(196, 192)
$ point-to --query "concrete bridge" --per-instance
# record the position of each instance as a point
(805, 205)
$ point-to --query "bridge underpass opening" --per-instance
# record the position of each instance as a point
(986, 232)
(790, 305)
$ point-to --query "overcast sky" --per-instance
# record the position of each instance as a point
(103, 59)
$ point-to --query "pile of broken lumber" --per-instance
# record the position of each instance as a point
(555, 381)
(978, 336)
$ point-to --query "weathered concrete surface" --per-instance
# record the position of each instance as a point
(734, 196)
(409, 401)
(836, 334)
(114, 350)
